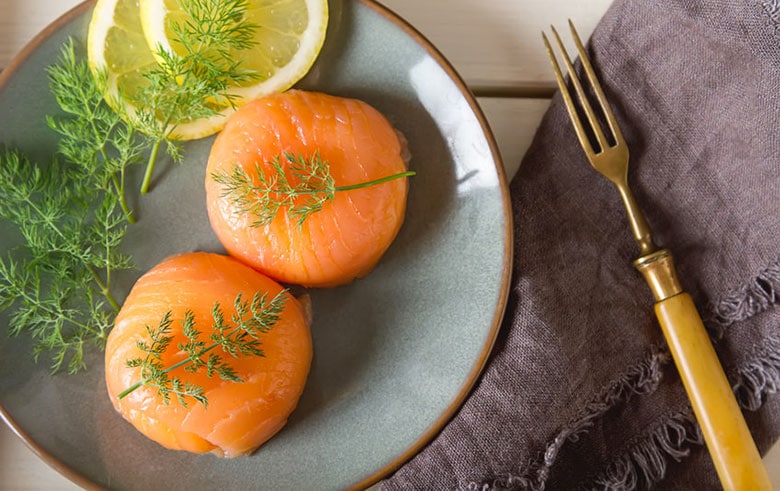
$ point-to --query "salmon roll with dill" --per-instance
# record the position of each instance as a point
(208, 355)
(308, 188)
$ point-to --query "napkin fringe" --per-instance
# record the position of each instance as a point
(759, 377)
(748, 300)
(647, 460)
(639, 379)
(677, 433)
(772, 10)
(642, 378)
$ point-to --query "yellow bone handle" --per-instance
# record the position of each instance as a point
(726, 434)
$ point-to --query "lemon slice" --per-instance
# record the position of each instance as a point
(288, 37)
(116, 44)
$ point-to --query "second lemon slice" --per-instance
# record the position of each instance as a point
(287, 38)
(116, 45)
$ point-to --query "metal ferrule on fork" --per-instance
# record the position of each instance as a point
(658, 270)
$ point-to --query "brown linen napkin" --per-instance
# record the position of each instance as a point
(580, 391)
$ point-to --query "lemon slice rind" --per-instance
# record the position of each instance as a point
(153, 19)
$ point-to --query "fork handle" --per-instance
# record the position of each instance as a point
(726, 434)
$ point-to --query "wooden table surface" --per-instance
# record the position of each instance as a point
(494, 44)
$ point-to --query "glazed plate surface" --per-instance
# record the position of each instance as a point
(395, 352)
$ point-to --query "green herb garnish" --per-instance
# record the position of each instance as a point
(72, 216)
(94, 139)
(264, 195)
(194, 85)
(240, 337)
(72, 213)
(59, 282)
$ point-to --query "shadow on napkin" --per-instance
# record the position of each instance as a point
(580, 391)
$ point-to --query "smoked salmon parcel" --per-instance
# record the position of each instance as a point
(283, 187)
(208, 355)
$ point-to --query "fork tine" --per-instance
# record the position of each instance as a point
(586, 106)
(582, 136)
(594, 81)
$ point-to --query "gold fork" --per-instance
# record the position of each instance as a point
(728, 439)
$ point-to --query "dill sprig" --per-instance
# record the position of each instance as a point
(238, 338)
(58, 284)
(309, 186)
(71, 215)
(193, 82)
(94, 138)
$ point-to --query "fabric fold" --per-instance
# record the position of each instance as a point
(579, 392)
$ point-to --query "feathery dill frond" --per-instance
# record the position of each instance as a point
(308, 188)
(238, 338)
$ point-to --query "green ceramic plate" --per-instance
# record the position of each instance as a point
(395, 353)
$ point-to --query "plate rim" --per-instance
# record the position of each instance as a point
(500, 308)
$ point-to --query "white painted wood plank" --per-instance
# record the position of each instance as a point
(514, 123)
(490, 42)
(22, 470)
(497, 42)
(21, 20)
